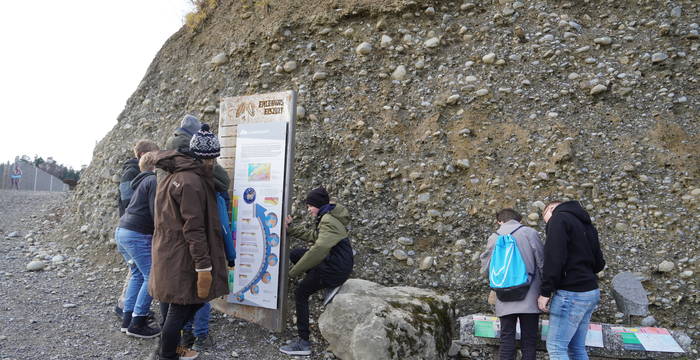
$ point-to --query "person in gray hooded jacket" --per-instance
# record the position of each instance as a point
(531, 250)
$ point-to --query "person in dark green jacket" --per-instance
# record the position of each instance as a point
(327, 264)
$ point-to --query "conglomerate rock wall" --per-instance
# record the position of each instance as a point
(425, 117)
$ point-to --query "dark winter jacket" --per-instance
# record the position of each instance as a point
(572, 254)
(331, 252)
(129, 172)
(187, 232)
(180, 141)
(139, 214)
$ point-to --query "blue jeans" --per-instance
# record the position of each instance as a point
(569, 316)
(136, 250)
(201, 321)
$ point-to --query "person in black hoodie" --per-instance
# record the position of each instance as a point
(133, 237)
(130, 170)
(572, 257)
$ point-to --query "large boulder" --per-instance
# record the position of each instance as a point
(370, 321)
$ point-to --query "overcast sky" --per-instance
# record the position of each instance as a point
(68, 67)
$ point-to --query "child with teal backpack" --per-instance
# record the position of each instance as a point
(513, 259)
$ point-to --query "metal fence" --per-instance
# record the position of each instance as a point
(33, 178)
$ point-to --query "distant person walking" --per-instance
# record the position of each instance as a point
(16, 177)
(133, 237)
(525, 311)
(326, 265)
(189, 262)
(572, 257)
(130, 170)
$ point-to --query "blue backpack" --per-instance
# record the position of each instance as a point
(222, 206)
(508, 275)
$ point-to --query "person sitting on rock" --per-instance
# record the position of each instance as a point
(327, 264)
(526, 310)
(133, 237)
(189, 261)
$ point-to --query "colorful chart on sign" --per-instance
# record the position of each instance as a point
(647, 339)
(490, 327)
(258, 184)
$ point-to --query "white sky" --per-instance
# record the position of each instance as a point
(67, 68)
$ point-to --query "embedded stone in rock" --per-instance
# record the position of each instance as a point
(290, 66)
(666, 266)
(364, 49)
(13, 234)
(405, 241)
(400, 254)
(58, 259)
(385, 41)
(399, 73)
(462, 164)
(84, 229)
(629, 294)
(426, 263)
(301, 112)
(599, 89)
(649, 321)
(432, 42)
(686, 274)
(36, 265)
(370, 321)
(489, 58)
(482, 92)
(658, 57)
(605, 40)
(321, 75)
(219, 59)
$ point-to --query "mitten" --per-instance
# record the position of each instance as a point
(203, 284)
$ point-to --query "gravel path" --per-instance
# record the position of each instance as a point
(65, 310)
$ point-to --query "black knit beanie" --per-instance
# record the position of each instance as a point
(204, 144)
(318, 197)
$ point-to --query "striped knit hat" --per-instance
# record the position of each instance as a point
(204, 145)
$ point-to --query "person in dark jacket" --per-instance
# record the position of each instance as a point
(572, 257)
(327, 264)
(133, 238)
(180, 141)
(129, 171)
(189, 261)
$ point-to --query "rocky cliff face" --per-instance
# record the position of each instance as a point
(425, 117)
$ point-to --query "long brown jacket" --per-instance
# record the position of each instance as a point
(187, 232)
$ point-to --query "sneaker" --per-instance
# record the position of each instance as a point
(187, 339)
(140, 329)
(202, 342)
(126, 321)
(297, 347)
(186, 354)
(330, 294)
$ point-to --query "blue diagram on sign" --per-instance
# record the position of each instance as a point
(268, 259)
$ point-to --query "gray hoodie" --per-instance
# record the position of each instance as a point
(532, 251)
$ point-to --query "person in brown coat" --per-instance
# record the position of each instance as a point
(189, 263)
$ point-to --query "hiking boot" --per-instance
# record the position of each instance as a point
(187, 339)
(297, 347)
(202, 342)
(126, 321)
(140, 329)
(329, 294)
(118, 311)
(186, 354)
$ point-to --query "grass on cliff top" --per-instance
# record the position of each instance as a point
(202, 10)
